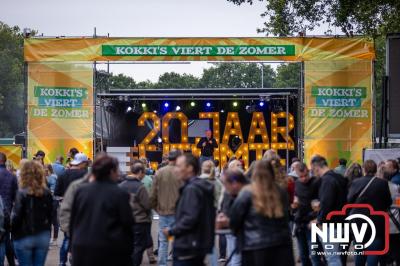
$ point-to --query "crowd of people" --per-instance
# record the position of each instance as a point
(252, 215)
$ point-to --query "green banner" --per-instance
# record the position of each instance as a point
(180, 50)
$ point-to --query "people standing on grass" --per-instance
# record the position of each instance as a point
(164, 195)
(32, 216)
(101, 219)
(259, 217)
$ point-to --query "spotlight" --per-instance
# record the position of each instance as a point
(178, 108)
(144, 105)
(166, 105)
(128, 109)
(193, 104)
(222, 111)
(208, 104)
(159, 140)
(261, 104)
(235, 104)
(155, 111)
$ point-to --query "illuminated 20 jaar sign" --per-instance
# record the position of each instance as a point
(232, 127)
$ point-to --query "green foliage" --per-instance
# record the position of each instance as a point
(11, 81)
(122, 81)
(288, 76)
(237, 75)
(175, 80)
(289, 17)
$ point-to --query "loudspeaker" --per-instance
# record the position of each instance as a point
(393, 92)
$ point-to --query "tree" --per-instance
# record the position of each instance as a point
(177, 81)
(289, 17)
(288, 76)
(237, 75)
(122, 82)
(11, 81)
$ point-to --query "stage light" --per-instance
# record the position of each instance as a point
(193, 104)
(128, 109)
(208, 104)
(155, 111)
(159, 140)
(222, 111)
(235, 104)
(178, 108)
(166, 105)
(144, 105)
(261, 104)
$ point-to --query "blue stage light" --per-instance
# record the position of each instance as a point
(261, 104)
(166, 105)
(208, 104)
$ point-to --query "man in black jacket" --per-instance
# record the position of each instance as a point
(332, 197)
(306, 190)
(207, 145)
(195, 215)
(375, 192)
(141, 210)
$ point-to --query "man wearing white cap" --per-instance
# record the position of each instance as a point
(77, 170)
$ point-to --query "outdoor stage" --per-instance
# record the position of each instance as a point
(331, 114)
(245, 122)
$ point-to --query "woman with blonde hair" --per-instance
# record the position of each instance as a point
(31, 217)
(260, 218)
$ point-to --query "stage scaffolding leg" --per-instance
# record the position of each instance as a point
(287, 133)
(101, 124)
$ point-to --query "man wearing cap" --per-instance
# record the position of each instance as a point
(164, 194)
(77, 170)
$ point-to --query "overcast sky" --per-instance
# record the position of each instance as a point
(134, 18)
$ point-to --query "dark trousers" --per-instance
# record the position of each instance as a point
(64, 251)
(394, 247)
(196, 261)
(142, 241)
(303, 236)
(54, 219)
(222, 246)
(371, 260)
(279, 255)
(10, 253)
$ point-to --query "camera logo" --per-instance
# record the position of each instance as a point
(357, 227)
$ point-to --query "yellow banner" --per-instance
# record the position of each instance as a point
(197, 49)
(60, 108)
(338, 109)
(13, 153)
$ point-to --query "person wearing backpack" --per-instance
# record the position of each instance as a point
(374, 191)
